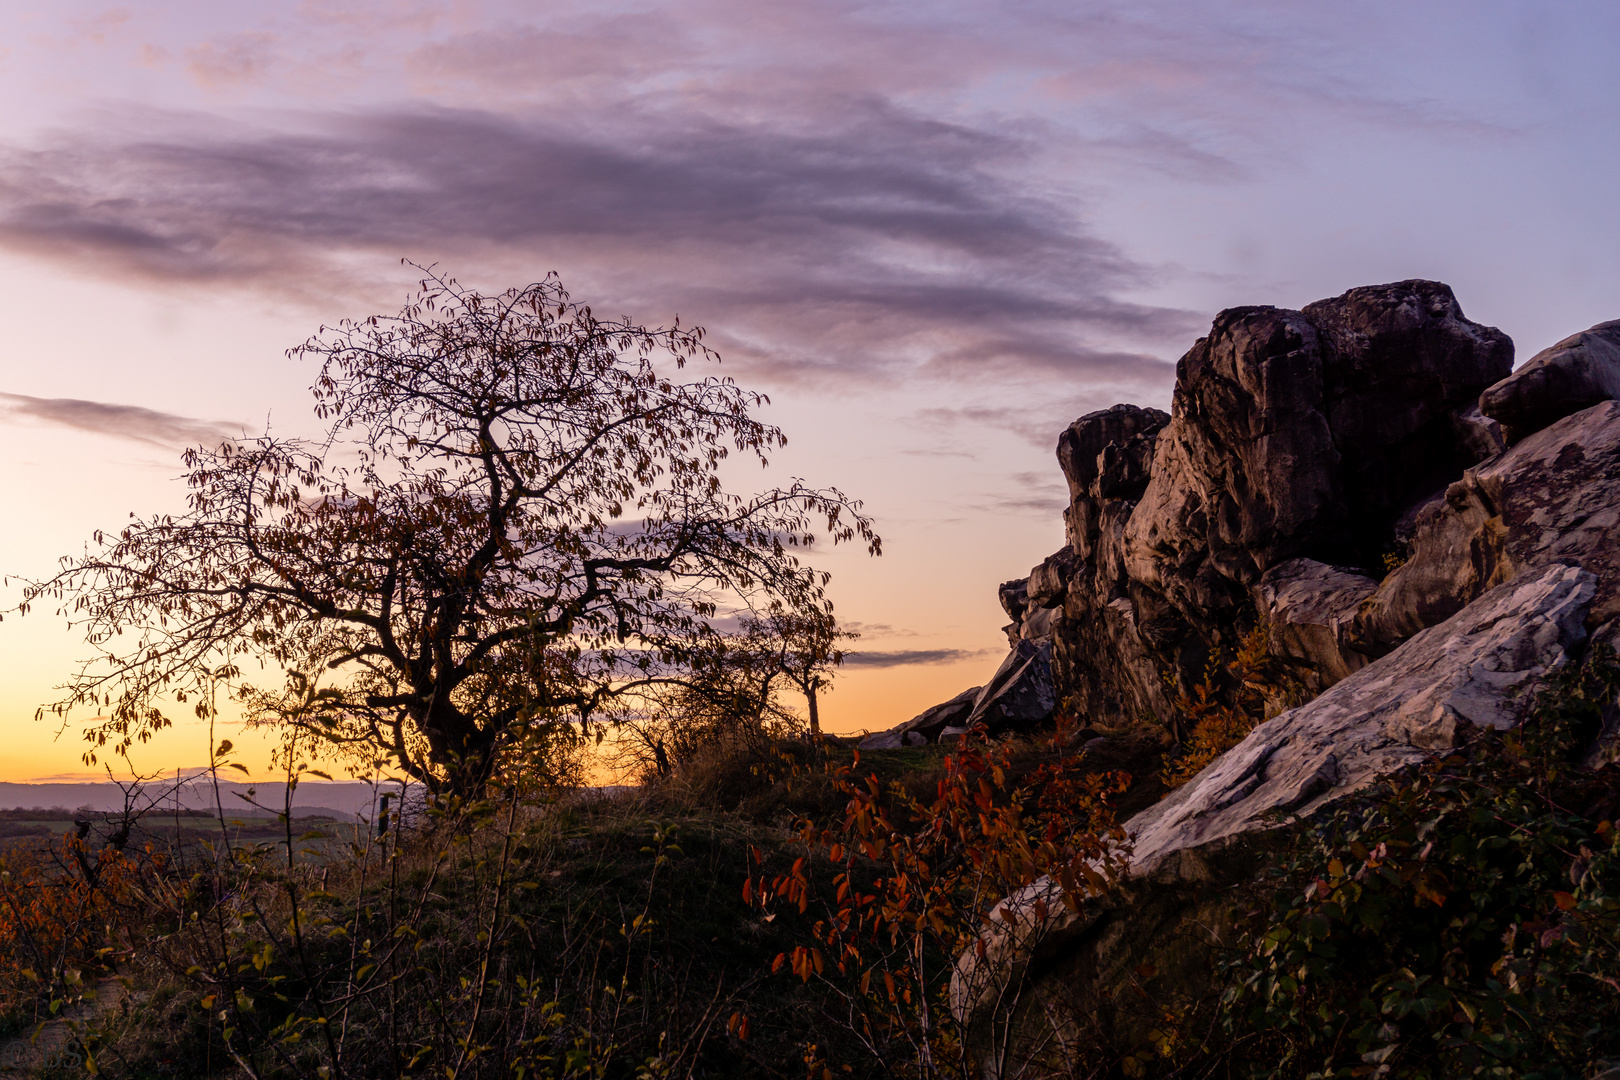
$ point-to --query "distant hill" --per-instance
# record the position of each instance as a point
(310, 798)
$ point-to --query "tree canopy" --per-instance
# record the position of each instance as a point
(515, 514)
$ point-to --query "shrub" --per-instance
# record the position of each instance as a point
(916, 882)
(1232, 698)
(1461, 918)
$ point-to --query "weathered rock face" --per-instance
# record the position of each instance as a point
(1020, 694)
(1294, 434)
(1574, 374)
(1479, 667)
(1311, 611)
(1303, 448)
(1105, 456)
(1476, 668)
(1553, 498)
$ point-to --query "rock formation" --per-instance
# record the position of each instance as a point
(1293, 435)
(1298, 450)
(1425, 534)
(1554, 497)
(1578, 372)
(925, 727)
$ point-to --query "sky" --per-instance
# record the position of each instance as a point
(933, 233)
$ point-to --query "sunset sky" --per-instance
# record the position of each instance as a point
(933, 233)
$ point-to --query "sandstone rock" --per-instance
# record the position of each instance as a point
(1294, 434)
(1476, 668)
(1399, 361)
(1048, 582)
(1040, 624)
(1480, 435)
(1311, 608)
(1104, 663)
(1105, 456)
(925, 727)
(1572, 375)
(1020, 694)
(1554, 497)
(1081, 447)
(1014, 596)
(1306, 433)
(892, 739)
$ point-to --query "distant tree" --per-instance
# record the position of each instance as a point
(803, 648)
(515, 515)
(734, 688)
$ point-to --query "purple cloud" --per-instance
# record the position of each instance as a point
(124, 421)
(873, 244)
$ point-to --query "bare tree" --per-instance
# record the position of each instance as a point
(515, 514)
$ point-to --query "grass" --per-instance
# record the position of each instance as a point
(539, 936)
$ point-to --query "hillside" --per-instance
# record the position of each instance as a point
(1302, 763)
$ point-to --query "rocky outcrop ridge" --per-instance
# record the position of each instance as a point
(1293, 435)
(1426, 536)
(1307, 452)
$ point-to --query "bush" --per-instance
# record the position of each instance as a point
(517, 937)
(1461, 918)
(917, 879)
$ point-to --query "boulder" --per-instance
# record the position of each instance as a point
(1047, 583)
(1307, 433)
(1083, 448)
(1310, 608)
(1572, 375)
(1480, 435)
(1107, 451)
(1554, 497)
(1040, 624)
(1014, 596)
(1020, 694)
(1477, 668)
(924, 728)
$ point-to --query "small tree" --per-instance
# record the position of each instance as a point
(734, 689)
(515, 514)
(802, 648)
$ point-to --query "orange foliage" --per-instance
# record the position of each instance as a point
(59, 909)
(918, 884)
(1224, 707)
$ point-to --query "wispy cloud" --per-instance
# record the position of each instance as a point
(1041, 418)
(905, 657)
(875, 241)
(878, 630)
(839, 191)
(123, 421)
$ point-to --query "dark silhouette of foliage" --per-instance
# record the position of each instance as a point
(736, 690)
